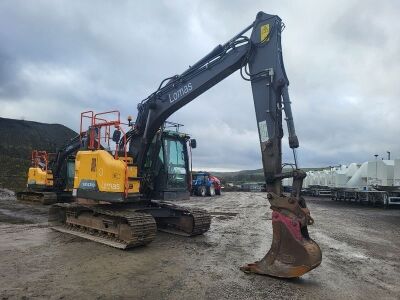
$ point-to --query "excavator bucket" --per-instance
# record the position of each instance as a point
(292, 252)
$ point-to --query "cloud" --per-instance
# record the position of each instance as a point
(58, 58)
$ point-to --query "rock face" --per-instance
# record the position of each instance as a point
(17, 139)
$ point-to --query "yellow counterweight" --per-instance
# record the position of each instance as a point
(39, 177)
(100, 170)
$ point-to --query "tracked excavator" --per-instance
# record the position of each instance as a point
(117, 206)
(50, 176)
(115, 195)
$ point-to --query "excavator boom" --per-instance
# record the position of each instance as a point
(259, 59)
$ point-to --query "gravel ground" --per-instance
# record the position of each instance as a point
(361, 247)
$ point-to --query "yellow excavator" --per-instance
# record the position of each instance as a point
(40, 180)
(50, 176)
(119, 193)
(115, 206)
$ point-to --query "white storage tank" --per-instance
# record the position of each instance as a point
(359, 179)
(380, 172)
(287, 181)
(343, 174)
(306, 181)
(321, 178)
(329, 177)
(396, 172)
(312, 178)
(360, 176)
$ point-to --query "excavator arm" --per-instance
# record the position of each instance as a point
(259, 59)
(261, 53)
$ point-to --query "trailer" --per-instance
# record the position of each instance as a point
(318, 191)
(386, 196)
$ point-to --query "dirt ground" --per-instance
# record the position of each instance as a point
(361, 247)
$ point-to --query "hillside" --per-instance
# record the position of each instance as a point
(244, 176)
(241, 176)
(17, 139)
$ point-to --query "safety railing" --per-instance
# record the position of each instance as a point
(99, 129)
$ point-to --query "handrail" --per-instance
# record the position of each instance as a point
(99, 121)
(39, 156)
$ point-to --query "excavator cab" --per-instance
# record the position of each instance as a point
(168, 161)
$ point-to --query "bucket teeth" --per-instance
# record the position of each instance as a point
(292, 254)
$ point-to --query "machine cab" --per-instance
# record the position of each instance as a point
(168, 159)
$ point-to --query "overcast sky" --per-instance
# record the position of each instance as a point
(58, 58)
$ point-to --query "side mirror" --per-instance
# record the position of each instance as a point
(116, 136)
(193, 143)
